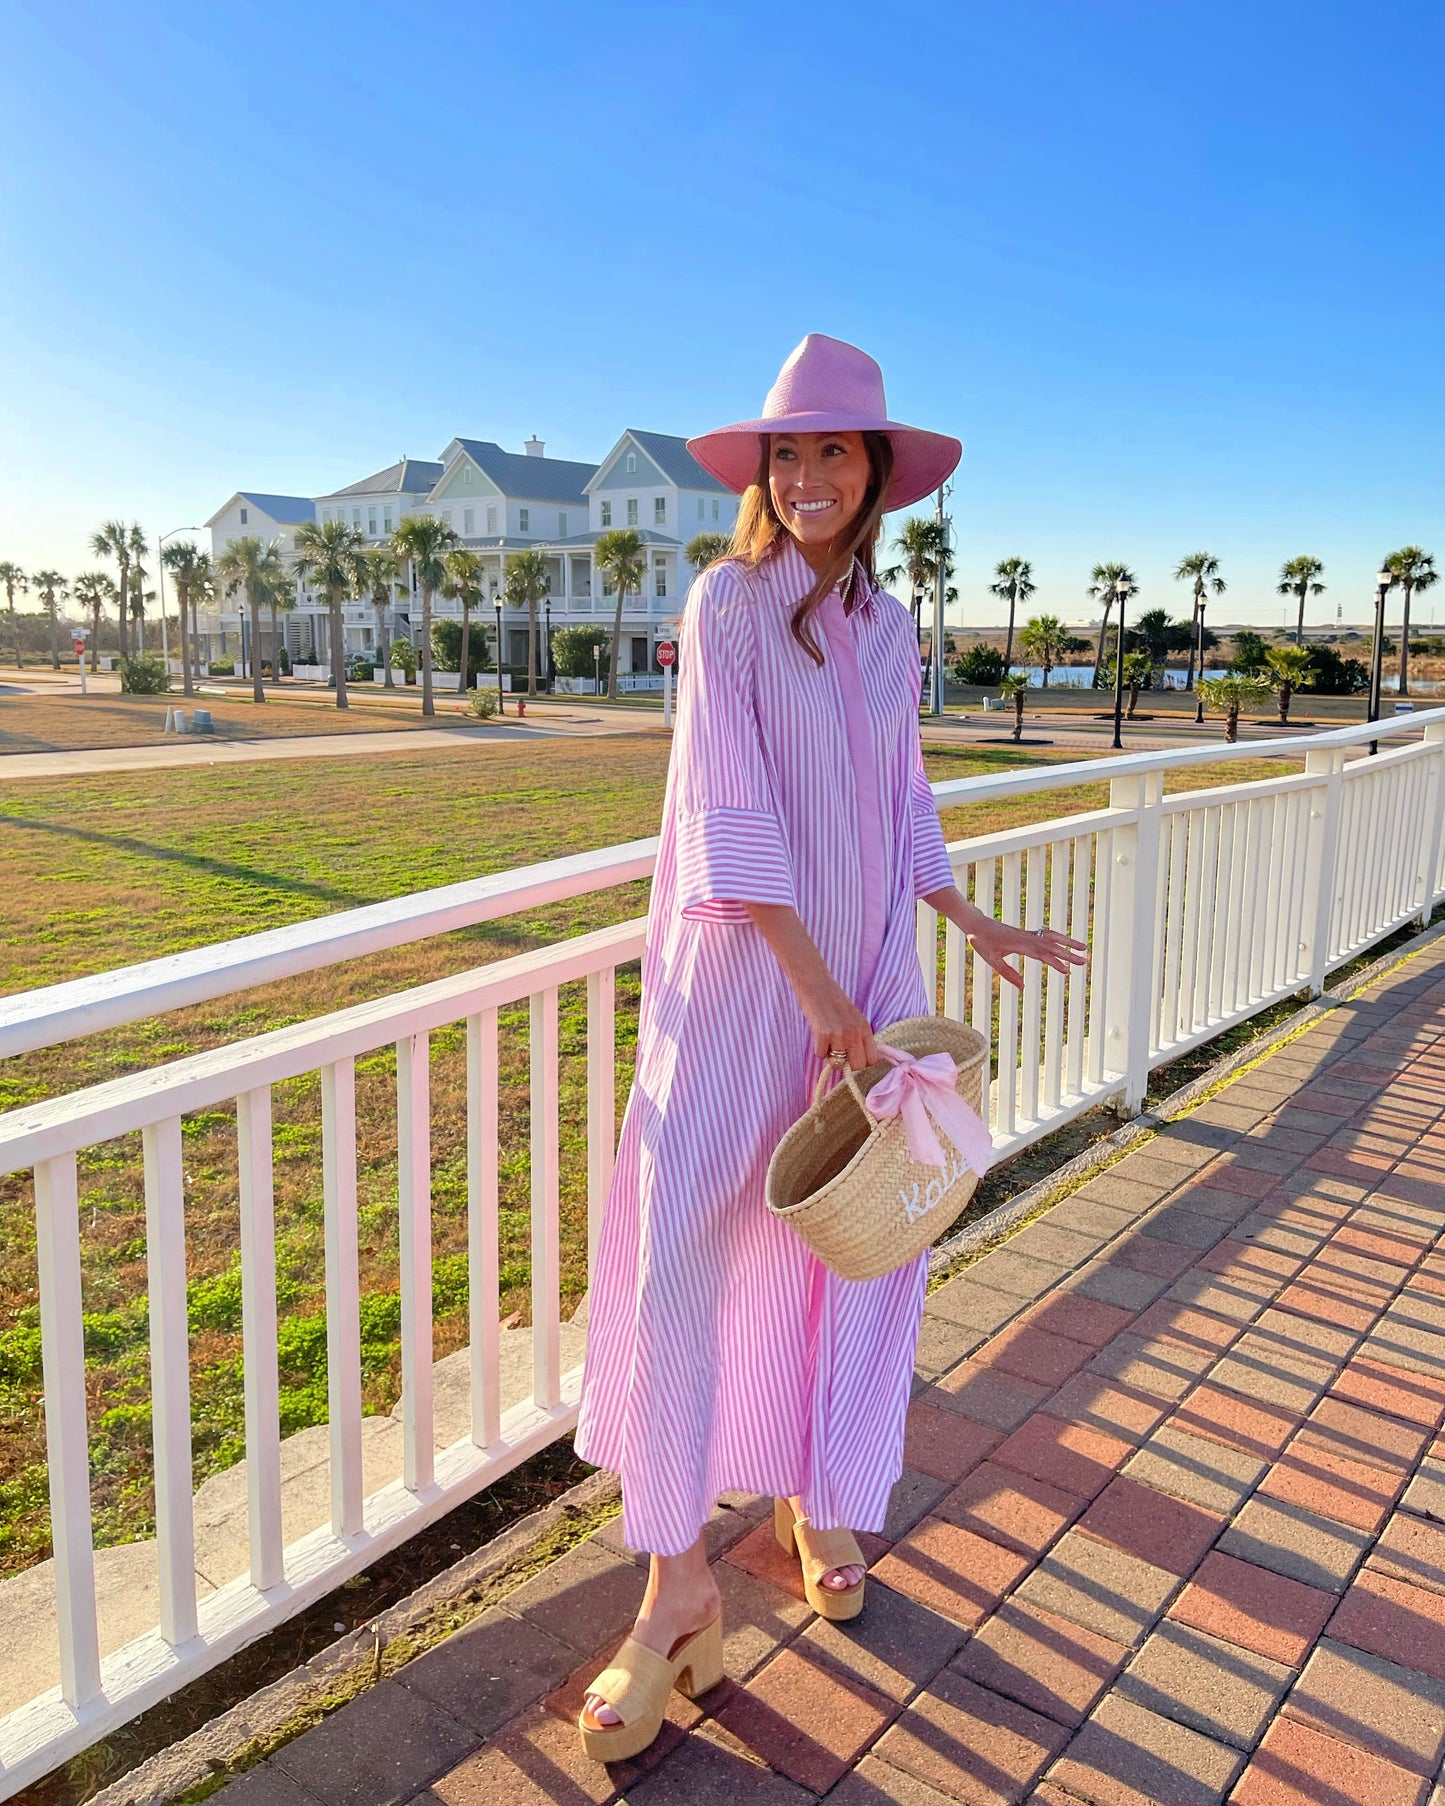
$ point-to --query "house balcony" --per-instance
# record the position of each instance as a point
(1200, 909)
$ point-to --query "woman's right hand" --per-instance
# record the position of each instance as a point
(838, 1025)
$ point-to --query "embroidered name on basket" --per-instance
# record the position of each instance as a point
(932, 1195)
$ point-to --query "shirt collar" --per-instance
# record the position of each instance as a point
(800, 575)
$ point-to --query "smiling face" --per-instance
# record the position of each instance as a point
(818, 482)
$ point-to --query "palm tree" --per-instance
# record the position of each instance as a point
(620, 557)
(113, 541)
(919, 543)
(1300, 577)
(1046, 641)
(464, 585)
(1412, 568)
(14, 578)
(249, 565)
(51, 584)
(1138, 669)
(1289, 666)
(329, 554)
(183, 560)
(280, 599)
(527, 584)
(1015, 584)
(1230, 694)
(92, 590)
(139, 596)
(378, 575)
(1012, 687)
(425, 540)
(706, 548)
(1202, 570)
(1111, 582)
(1159, 635)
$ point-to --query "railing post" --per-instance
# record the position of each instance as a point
(1434, 819)
(1322, 860)
(1132, 929)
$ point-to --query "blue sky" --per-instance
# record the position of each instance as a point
(1171, 271)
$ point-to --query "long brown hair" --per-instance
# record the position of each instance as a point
(759, 531)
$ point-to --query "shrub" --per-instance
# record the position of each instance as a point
(145, 675)
(285, 659)
(222, 667)
(572, 649)
(446, 649)
(1250, 653)
(981, 664)
(484, 703)
(403, 659)
(1331, 675)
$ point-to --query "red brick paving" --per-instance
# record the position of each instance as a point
(1334, 1199)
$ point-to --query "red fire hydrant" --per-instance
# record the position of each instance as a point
(521, 705)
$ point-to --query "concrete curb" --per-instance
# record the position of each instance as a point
(976, 1238)
(238, 1739)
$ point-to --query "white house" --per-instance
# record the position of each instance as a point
(224, 629)
(499, 503)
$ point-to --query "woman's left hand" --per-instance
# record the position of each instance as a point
(996, 943)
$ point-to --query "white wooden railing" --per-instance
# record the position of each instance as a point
(1200, 908)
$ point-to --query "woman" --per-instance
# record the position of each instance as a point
(798, 833)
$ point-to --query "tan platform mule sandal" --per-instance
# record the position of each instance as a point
(637, 1685)
(820, 1551)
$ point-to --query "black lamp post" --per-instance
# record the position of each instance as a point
(1122, 593)
(1383, 580)
(549, 642)
(1199, 678)
(497, 604)
(596, 669)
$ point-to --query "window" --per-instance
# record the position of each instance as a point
(386, 521)
(701, 509)
(606, 514)
(659, 578)
(491, 520)
(447, 516)
(243, 517)
(659, 511)
(524, 520)
(356, 518)
(561, 525)
(632, 511)
(469, 521)
(714, 510)
(371, 522)
(631, 463)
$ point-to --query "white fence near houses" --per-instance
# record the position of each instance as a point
(1200, 908)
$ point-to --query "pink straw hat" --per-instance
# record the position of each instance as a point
(828, 386)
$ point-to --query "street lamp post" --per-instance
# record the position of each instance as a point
(497, 604)
(165, 638)
(1123, 595)
(596, 669)
(548, 612)
(1383, 580)
(935, 673)
(1199, 661)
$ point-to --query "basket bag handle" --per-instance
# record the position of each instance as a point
(922, 1089)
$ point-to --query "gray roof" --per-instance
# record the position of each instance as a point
(674, 460)
(288, 510)
(529, 479)
(408, 476)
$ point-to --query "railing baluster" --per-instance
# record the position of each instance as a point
(1194, 963)
(1100, 946)
(601, 1101)
(1173, 861)
(1054, 1001)
(955, 951)
(1008, 1007)
(1159, 924)
(1433, 843)
(170, 1377)
(546, 1252)
(413, 1149)
(1079, 976)
(258, 1331)
(981, 1004)
(1032, 1049)
(1218, 896)
(1322, 863)
(67, 1430)
(343, 1293)
(925, 929)
(483, 1252)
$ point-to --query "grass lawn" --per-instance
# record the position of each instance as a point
(101, 871)
(36, 722)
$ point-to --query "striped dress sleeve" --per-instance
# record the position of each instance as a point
(731, 845)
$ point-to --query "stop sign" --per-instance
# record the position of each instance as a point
(666, 653)
(79, 646)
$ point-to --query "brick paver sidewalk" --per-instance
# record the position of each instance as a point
(1171, 1531)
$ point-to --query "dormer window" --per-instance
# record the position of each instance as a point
(244, 517)
(631, 463)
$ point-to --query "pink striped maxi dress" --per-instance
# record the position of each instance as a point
(721, 1355)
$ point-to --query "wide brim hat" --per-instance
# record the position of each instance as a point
(828, 386)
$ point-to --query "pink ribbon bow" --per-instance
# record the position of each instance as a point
(920, 1088)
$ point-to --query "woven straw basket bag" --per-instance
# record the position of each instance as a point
(852, 1185)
